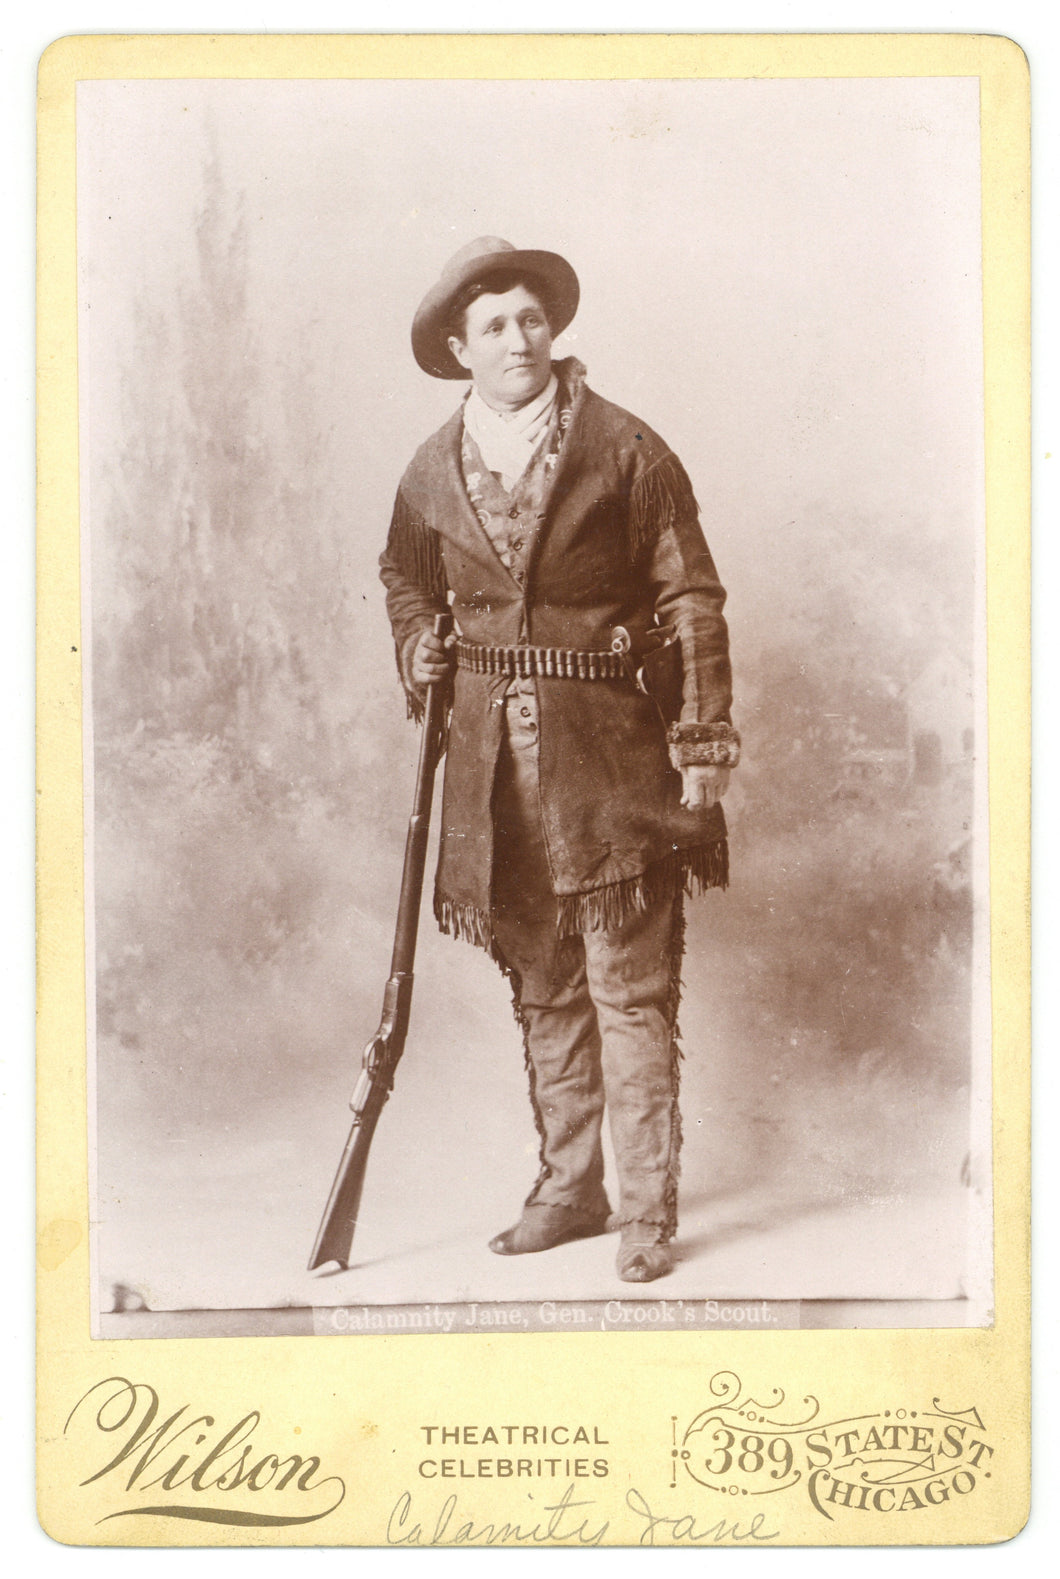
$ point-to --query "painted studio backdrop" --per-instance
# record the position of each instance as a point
(782, 278)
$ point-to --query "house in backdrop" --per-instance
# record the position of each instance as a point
(921, 734)
(940, 707)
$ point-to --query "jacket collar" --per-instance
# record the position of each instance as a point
(571, 373)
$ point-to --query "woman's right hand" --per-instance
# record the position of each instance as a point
(430, 658)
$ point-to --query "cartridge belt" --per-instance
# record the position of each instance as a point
(521, 663)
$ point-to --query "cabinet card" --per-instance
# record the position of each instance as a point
(754, 1145)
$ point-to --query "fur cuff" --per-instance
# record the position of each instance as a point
(703, 745)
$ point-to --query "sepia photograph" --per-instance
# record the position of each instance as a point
(534, 618)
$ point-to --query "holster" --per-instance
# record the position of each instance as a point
(653, 661)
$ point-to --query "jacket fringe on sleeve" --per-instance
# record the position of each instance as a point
(661, 496)
(413, 550)
(412, 559)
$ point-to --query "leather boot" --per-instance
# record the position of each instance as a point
(542, 1226)
(644, 1254)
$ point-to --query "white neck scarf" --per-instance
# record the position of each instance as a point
(507, 440)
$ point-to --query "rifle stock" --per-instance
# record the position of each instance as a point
(334, 1239)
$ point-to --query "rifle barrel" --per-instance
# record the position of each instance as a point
(334, 1239)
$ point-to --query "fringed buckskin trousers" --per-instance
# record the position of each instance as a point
(598, 1012)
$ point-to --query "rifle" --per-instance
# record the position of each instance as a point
(335, 1237)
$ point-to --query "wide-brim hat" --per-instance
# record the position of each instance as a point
(477, 261)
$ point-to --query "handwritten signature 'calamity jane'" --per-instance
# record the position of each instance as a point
(559, 1525)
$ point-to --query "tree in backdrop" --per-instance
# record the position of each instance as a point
(225, 715)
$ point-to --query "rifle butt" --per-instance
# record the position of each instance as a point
(334, 1240)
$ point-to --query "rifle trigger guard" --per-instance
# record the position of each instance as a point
(372, 1067)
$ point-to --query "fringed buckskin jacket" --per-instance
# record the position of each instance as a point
(617, 542)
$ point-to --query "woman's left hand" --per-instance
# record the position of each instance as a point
(702, 786)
